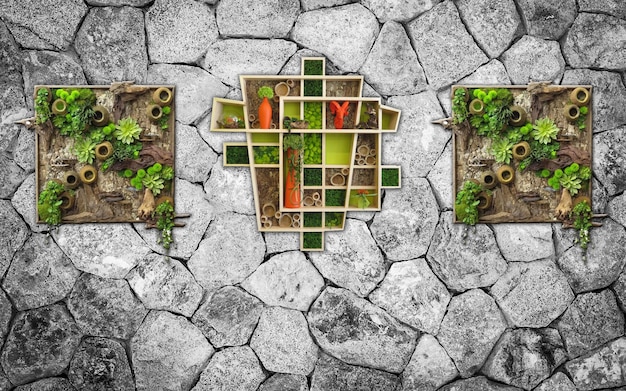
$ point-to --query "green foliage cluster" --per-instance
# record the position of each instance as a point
(265, 92)
(335, 197)
(313, 88)
(164, 214)
(313, 67)
(155, 178)
(121, 152)
(312, 176)
(572, 178)
(497, 111)
(42, 106)
(85, 150)
(539, 152)
(466, 203)
(127, 130)
(312, 148)
(582, 118)
(313, 114)
(581, 214)
(390, 177)
(312, 240)
(362, 200)
(79, 111)
(312, 219)
(49, 204)
(237, 154)
(459, 106)
(333, 219)
(545, 130)
(165, 117)
(266, 155)
(502, 149)
(293, 141)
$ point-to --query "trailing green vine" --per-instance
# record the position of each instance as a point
(581, 214)
(42, 106)
(466, 203)
(164, 215)
(49, 204)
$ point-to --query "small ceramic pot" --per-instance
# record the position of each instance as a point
(571, 112)
(100, 116)
(580, 96)
(104, 150)
(71, 180)
(521, 150)
(162, 96)
(59, 107)
(484, 200)
(505, 174)
(488, 180)
(518, 116)
(154, 112)
(88, 174)
(477, 107)
(67, 200)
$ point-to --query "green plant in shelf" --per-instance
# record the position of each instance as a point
(42, 106)
(164, 215)
(582, 118)
(362, 200)
(49, 204)
(466, 203)
(85, 150)
(266, 92)
(459, 106)
(165, 117)
(154, 182)
(582, 214)
(502, 150)
(545, 130)
(127, 130)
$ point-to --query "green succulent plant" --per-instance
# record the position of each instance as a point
(545, 130)
(85, 150)
(167, 173)
(164, 213)
(266, 92)
(127, 130)
(584, 173)
(503, 150)
(571, 182)
(154, 182)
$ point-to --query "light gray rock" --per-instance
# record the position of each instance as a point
(100, 364)
(619, 288)
(111, 44)
(235, 368)
(287, 280)
(612, 7)
(609, 157)
(479, 383)
(163, 283)
(600, 198)
(216, 139)
(235, 188)
(227, 59)
(267, 19)
(47, 384)
(532, 294)
(9, 134)
(592, 320)
(231, 250)
(12, 175)
(13, 234)
(118, 3)
(412, 293)
(333, 374)
(470, 330)
(360, 333)
(617, 208)
(548, 20)
(25, 150)
(40, 274)
(294, 65)
(439, 179)
(464, 263)
(168, 352)
(444, 47)
(283, 343)
(105, 307)
(351, 259)
(24, 202)
(179, 31)
(40, 344)
(493, 24)
(194, 158)
(558, 382)
(600, 369)
(430, 366)
(6, 313)
(285, 382)
(12, 102)
(349, 23)
(596, 41)
(534, 59)
(192, 83)
(399, 10)
(524, 242)
(391, 66)
(277, 242)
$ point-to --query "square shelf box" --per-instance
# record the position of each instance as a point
(227, 116)
(311, 241)
(236, 154)
(391, 177)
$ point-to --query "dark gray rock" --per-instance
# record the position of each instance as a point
(189, 146)
(48, 384)
(479, 383)
(548, 20)
(596, 41)
(12, 104)
(13, 234)
(558, 382)
(285, 382)
(25, 150)
(600, 369)
(333, 374)
(617, 208)
(100, 364)
(118, 3)
(619, 288)
(534, 59)
(6, 313)
(267, 19)
(612, 7)
(24, 203)
(430, 366)
(12, 175)
(609, 160)
(401, 11)
(235, 368)
(309, 5)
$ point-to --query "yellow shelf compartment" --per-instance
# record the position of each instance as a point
(227, 108)
(390, 118)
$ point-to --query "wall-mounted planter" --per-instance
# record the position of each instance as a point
(505, 174)
(571, 112)
(521, 150)
(518, 116)
(88, 174)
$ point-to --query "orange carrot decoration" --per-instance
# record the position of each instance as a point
(340, 111)
(265, 108)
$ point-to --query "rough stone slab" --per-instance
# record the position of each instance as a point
(287, 280)
(194, 158)
(25, 150)
(111, 44)
(13, 233)
(439, 179)
(39, 28)
(430, 366)
(412, 293)
(617, 208)
(216, 139)
(235, 368)
(285, 382)
(351, 259)
(163, 283)
(601, 369)
(391, 66)
(444, 47)
(110, 258)
(227, 59)
(10, 53)
(235, 188)
(464, 263)
(360, 333)
(525, 357)
(40, 344)
(548, 20)
(12, 174)
(277, 242)
(352, 23)
(558, 382)
(309, 5)
(596, 41)
(118, 3)
(616, 8)
(524, 242)
(283, 343)
(534, 59)
(228, 317)
(100, 364)
(179, 31)
(609, 158)
(267, 19)
(231, 250)
(105, 307)
(6, 313)
(604, 259)
(24, 202)
(619, 288)
(600, 198)
(398, 10)
(532, 294)
(168, 352)
(592, 320)
(333, 374)
(294, 65)
(479, 383)
(40, 274)
(493, 24)
(47, 384)
(470, 329)
(12, 105)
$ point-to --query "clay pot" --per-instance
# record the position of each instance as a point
(488, 179)
(580, 96)
(484, 200)
(71, 180)
(521, 150)
(100, 116)
(104, 150)
(162, 96)
(67, 200)
(281, 89)
(477, 107)
(285, 220)
(154, 112)
(571, 112)
(518, 116)
(269, 209)
(88, 174)
(338, 180)
(505, 174)
(59, 107)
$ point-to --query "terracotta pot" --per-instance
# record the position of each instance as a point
(265, 114)
(477, 107)
(571, 112)
(488, 180)
(505, 174)
(100, 116)
(338, 180)
(580, 96)
(88, 174)
(154, 112)
(518, 116)
(104, 150)
(71, 180)
(521, 150)
(162, 96)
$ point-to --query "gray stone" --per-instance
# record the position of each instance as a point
(592, 320)
(609, 160)
(600, 369)
(194, 158)
(179, 31)
(6, 312)
(439, 179)
(525, 357)
(351, 23)
(100, 364)
(532, 294)
(47, 384)
(391, 66)
(600, 198)
(163, 283)
(524, 242)
(39, 28)
(12, 176)
(267, 19)
(285, 382)
(24, 202)
(25, 150)
(9, 134)
(168, 352)
(479, 383)
(470, 330)
(228, 317)
(309, 5)
(12, 105)
(227, 59)
(360, 333)
(118, 3)
(444, 47)
(105, 307)
(111, 44)
(548, 20)
(277, 242)
(351, 259)
(596, 41)
(216, 139)
(294, 65)
(399, 10)
(287, 280)
(464, 263)
(412, 293)
(5, 384)
(604, 259)
(235, 189)
(619, 288)
(617, 208)
(235, 368)
(13, 233)
(333, 374)
(493, 24)
(430, 366)
(612, 7)
(40, 274)
(40, 344)
(558, 382)
(283, 343)
(231, 250)
(534, 59)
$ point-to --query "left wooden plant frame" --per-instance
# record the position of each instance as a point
(108, 147)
